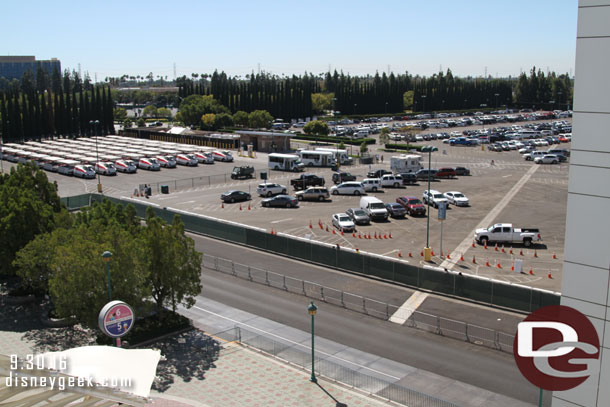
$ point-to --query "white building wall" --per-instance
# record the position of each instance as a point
(586, 270)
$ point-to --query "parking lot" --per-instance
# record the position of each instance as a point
(510, 191)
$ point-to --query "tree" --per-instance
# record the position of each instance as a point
(150, 111)
(407, 98)
(384, 136)
(363, 147)
(195, 106)
(207, 121)
(127, 123)
(223, 120)
(322, 102)
(341, 145)
(28, 206)
(241, 118)
(164, 112)
(316, 128)
(260, 119)
(120, 114)
(173, 263)
(141, 122)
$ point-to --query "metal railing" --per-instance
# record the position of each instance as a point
(415, 319)
(300, 355)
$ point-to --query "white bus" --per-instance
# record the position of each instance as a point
(285, 162)
(340, 155)
(311, 158)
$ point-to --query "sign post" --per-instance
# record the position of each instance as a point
(442, 214)
(116, 319)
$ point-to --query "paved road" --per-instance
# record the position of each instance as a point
(476, 366)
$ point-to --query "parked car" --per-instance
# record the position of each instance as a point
(166, 161)
(358, 216)
(423, 174)
(269, 189)
(547, 159)
(396, 210)
(531, 156)
(371, 184)
(313, 194)
(243, 172)
(105, 168)
(204, 157)
(391, 180)
(434, 197)
(235, 196)
(340, 176)
(377, 173)
(446, 172)
(186, 159)
(149, 164)
(343, 222)
(462, 171)
(224, 156)
(412, 205)
(125, 166)
(84, 171)
(286, 201)
(408, 178)
(457, 198)
(348, 188)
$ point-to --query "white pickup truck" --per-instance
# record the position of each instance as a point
(505, 233)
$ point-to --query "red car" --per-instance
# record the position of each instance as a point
(445, 173)
(413, 205)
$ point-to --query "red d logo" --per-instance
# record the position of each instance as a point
(556, 348)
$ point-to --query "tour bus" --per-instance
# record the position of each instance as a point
(285, 162)
(311, 158)
(340, 155)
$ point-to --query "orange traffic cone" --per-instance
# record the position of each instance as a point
(359, 236)
(334, 233)
(354, 234)
(550, 275)
(357, 250)
(512, 268)
(222, 205)
(531, 272)
(432, 252)
(240, 207)
(341, 232)
(503, 249)
(448, 256)
(473, 245)
(498, 265)
(385, 236)
(410, 255)
(511, 250)
(421, 253)
(327, 228)
(375, 235)
(554, 256)
(310, 225)
(248, 206)
(390, 235)
(485, 247)
(461, 257)
(474, 260)
(399, 254)
(535, 253)
(496, 249)
(487, 262)
(521, 252)
(369, 236)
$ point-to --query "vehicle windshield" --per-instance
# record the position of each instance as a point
(377, 205)
(439, 196)
(458, 195)
(360, 212)
(415, 202)
(344, 219)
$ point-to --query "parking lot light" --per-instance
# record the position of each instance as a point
(95, 124)
(312, 309)
(427, 250)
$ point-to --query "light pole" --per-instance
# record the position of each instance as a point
(424, 103)
(427, 250)
(312, 309)
(95, 124)
(107, 256)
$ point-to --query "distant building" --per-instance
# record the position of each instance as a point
(13, 67)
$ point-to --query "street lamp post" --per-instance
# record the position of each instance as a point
(107, 256)
(312, 309)
(427, 250)
(95, 124)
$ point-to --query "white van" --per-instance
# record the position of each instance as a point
(371, 184)
(374, 207)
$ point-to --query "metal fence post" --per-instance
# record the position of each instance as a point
(497, 340)
(233, 268)
(249, 274)
(438, 326)
(364, 305)
(216, 263)
(322, 293)
(387, 311)
(284, 282)
(342, 303)
(466, 333)
(192, 182)
(303, 287)
(267, 277)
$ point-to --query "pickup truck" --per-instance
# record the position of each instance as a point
(306, 180)
(505, 233)
(242, 172)
(377, 173)
(340, 176)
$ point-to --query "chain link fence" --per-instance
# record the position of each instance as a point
(300, 355)
(415, 319)
(203, 181)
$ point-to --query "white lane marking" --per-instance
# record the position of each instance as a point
(187, 202)
(411, 305)
(506, 176)
(293, 342)
(281, 220)
(486, 221)
(390, 252)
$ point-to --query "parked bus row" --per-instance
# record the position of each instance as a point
(320, 157)
(84, 157)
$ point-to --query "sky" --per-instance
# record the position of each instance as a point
(116, 37)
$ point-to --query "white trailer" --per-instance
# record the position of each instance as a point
(405, 163)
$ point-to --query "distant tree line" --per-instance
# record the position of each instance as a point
(303, 96)
(41, 108)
